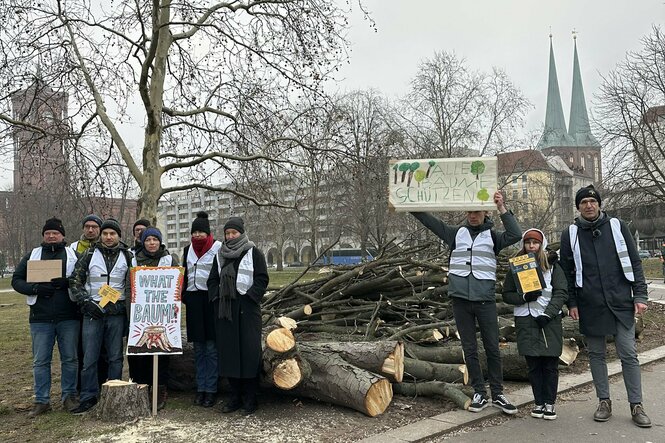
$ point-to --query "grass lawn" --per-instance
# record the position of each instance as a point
(281, 278)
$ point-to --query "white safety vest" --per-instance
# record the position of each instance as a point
(473, 255)
(198, 268)
(36, 254)
(536, 308)
(245, 276)
(619, 245)
(99, 276)
(166, 260)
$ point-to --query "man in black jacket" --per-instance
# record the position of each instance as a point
(53, 316)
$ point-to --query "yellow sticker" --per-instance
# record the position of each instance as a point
(108, 294)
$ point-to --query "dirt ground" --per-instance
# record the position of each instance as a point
(280, 418)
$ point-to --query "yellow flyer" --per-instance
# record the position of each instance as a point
(528, 273)
(108, 294)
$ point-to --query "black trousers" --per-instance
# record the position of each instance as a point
(544, 378)
(244, 390)
(140, 369)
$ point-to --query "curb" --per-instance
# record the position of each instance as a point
(449, 421)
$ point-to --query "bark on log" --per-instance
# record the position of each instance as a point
(336, 381)
(448, 353)
(425, 370)
(432, 388)
(123, 401)
(382, 357)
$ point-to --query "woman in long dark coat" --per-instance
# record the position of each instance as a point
(237, 283)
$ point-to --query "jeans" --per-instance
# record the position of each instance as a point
(44, 336)
(627, 351)
(544, 378)
(205, 359)
(108, 330)
(466, 313)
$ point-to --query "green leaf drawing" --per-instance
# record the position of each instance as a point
(483, 195)
(419, 175)
(429, 168)
(404, 167)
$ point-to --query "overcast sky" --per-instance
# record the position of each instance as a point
(510, 34)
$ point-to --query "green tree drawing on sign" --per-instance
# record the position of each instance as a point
(412, 168)
(404, 167)
(477, 167)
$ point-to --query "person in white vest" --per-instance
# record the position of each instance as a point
(237, 283)
(104, 264)
(538, 322)
(151, 253)
(198, 257)
(53, 316)
(90, 225)
(471, 286)
(606, 290)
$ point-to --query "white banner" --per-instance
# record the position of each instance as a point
(154, 319)
(450, 184)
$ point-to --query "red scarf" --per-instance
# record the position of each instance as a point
(202, 245)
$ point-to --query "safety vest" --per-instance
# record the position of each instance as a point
(619, 245)
(536, 308)
(166, 260)
(198, 268)
(36, 254)
(474, 256)
(245, 275)
(98, 275)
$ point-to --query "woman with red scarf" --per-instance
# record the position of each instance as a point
(198, 258)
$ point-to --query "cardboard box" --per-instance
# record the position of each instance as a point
(42, 271)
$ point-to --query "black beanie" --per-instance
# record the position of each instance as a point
(112, 223)
(235, 223)
(201, 223)
(53, 224)
(92, 218)
(586, 192)
(142, 222)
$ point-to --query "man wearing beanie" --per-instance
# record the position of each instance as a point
(91, 225)
(472, 282)
(140, 225)
(106, 264)
(53, 316)
(606, 289)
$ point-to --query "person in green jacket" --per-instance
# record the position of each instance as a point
(538, 323)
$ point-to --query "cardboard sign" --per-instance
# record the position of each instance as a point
(450, 184)
(109, 295)
(528, 273)
(43, 271)
(154, 319)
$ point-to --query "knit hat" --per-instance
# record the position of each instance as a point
(201, 223)
(92, 218)
(235, 223)
(533, 234)
(142, 222)
(112, 223)
(586, 192)
(53, 224)
(151, 231)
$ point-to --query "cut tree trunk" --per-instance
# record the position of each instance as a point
(284, 373)
(123, 401)
(425, 370)
(278, 339)
(452, 392)
(437, 354)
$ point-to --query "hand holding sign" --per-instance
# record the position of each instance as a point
(108, 294)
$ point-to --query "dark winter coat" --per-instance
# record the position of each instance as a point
(469, 287)
(530, 340)
(59, 306)
(199, 311)
(606, 295)
(239, 339)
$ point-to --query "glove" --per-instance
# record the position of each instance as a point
(60, 283)
(45, 290)
(542, 321)
(532, 296)
(92, 309)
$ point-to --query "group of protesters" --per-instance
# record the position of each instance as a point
(224, 283)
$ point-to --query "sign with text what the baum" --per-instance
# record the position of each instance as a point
(154, 321)
(450, 184)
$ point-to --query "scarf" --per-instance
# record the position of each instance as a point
(202, 245)
(583, 223)
(84, 244)
(230, 250)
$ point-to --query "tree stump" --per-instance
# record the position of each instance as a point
(123, 401)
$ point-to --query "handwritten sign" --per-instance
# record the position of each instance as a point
(451, 184)
(528, 273)
(154, 322)
(109, 295)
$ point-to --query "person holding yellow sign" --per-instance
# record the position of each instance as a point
(538, 316)
(98, 283)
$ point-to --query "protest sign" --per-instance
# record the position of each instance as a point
(154, 322)
(42, 271)
(528, 273)
(451, 184)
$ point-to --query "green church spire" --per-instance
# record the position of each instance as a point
(578, 125)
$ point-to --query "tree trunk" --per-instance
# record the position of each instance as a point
(448, 353)
(452, 392)
(284, 372)
(278, 339)
(425, 370)
(123, 401)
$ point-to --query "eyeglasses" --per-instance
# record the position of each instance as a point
(591, 201)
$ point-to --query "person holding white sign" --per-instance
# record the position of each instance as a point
(237, 283)
(471, 286)
(151, 252)
(53, 316)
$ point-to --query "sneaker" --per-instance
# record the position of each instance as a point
(85, 406)
(640, 418)
(549, 413)
(39, 409)
(604, 411)
(537, 411)
(501, 402)
(70, 403)
(478, 403)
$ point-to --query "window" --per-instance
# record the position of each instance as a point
(524, 189)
